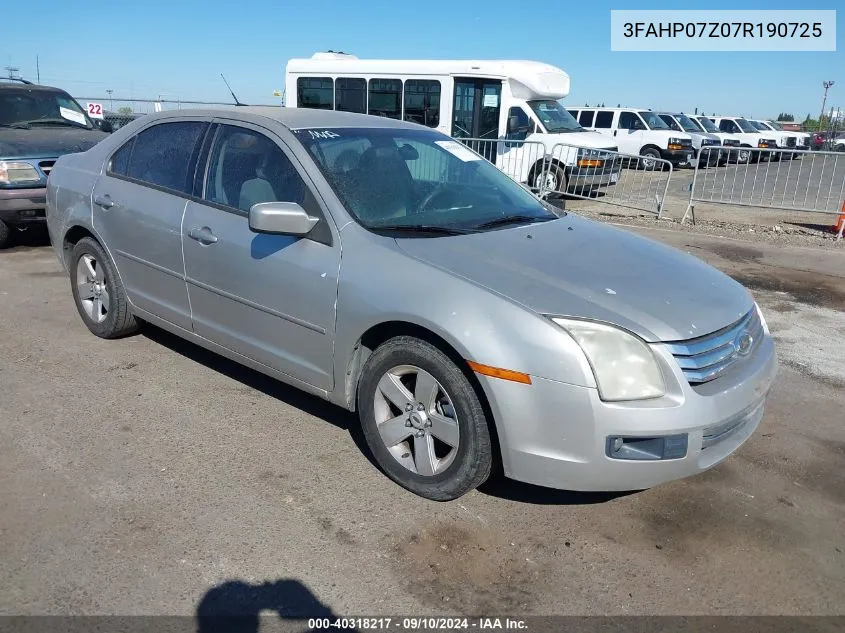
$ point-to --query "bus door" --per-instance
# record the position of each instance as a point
(476, 110)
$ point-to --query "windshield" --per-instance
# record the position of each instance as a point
(554, 117)
(759, 126)
(686, 123)
(26, 107)
(707, 124)
(774, 125)
(745, 126)
(420, 180)
(653, 121)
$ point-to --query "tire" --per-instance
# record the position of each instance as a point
(646, 154)
(107, 316)
(452, 471)
(5, 235)
(743, 156)
(554, 178)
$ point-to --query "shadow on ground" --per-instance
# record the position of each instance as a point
(236, 606)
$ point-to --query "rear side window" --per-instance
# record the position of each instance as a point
(315, 92)
(351, 95)
(422, 101)
(385, 98)
(604, 119)
(164, 155)
(586, 118)
(120, 159)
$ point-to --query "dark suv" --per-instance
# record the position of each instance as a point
(37, 125)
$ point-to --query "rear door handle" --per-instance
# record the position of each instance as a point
(202, 235)
(104, 200)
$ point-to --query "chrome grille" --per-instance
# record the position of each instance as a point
(46, 166)
(704, 358)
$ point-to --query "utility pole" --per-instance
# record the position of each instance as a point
(11, 70)
(37, 70)
(111, 102)
(827, 85)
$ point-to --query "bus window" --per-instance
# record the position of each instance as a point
(385, 98)
(422, 101)
(586, 118)
(351, 95)
(315, 92)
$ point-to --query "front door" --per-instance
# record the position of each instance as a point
(477, 105)
(138, 205)
(268, 297)
(628, 135)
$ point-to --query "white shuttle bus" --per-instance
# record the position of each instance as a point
(496, 100)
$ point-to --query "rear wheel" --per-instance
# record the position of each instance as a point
(98, 292)
(423, 420)
(5, 235)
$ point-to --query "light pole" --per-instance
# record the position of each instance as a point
(827, 85)
(111, 102)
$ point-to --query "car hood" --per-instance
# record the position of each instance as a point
(580, 268)
(46, 142)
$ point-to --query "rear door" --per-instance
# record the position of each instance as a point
(268, 297)
(138, 205)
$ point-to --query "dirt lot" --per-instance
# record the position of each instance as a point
(146, 476)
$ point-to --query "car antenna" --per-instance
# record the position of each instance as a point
(237, 103)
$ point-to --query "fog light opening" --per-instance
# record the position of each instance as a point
(647, 448)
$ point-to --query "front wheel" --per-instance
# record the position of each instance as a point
(649, 159)
(553, 180)
(5, 235)
(98, 292)
(743, 156)
(423, 420)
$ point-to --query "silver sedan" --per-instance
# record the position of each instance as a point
(387, 268)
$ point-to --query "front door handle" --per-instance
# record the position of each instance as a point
(104, 200)
(202, 235)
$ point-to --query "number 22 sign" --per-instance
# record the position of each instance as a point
(95, 110)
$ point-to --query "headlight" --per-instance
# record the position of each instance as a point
(12, 173)
(674, 141)
(623, 365)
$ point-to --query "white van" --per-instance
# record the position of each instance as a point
(641, 132)
(740, 156)
(681, 123)
(749, 136)
(496, 100)
(796, 140)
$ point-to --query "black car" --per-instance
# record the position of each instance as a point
(37, 125)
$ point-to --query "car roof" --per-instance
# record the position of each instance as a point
(294, 118)
(29, 87)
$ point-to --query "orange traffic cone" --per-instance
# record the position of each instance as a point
(840, 224)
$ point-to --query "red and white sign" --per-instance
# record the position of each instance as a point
(95, 110)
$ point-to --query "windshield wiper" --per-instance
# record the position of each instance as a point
(420, 228)
(57, 122)
(513, 219)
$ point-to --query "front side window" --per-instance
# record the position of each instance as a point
(745, 126)
(416, 180)
(726, 125)
(653, 121)
(165, 154)
(670, 122)
(24, 107)
(315, 92)
(554, 117)
(422, 102)
(524, 124)
(351, 95)
(246, 168)
(628, 121)
(385, 98)
(604, 119)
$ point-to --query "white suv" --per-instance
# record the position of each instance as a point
(640, 132)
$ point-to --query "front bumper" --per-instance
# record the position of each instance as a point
(584, 177)
(23, 206)
(678, 157)
(556, 434)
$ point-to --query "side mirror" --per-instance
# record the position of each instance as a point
(106, 126)
(282, 218)
(636, 124)
(514, 126)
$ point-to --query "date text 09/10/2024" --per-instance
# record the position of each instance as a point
(417, 624)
